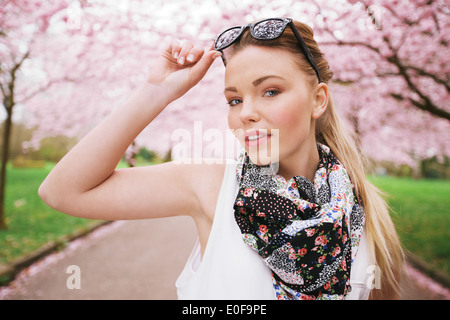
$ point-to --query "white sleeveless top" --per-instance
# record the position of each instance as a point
(231, 270)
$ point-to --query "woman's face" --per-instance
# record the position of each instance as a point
(273, 107)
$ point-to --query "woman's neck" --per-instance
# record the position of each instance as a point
(300, 165)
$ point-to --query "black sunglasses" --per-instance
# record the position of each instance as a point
(268, 29)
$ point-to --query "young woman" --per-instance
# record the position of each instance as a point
(300, 222)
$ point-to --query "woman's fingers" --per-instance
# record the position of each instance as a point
(186, 53)
(202, 66)
(185, 49)
(182, 65)
(175, 48)
(195, 54)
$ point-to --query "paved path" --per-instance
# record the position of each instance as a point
(136, 260)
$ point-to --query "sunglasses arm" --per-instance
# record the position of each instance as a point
(305, 50)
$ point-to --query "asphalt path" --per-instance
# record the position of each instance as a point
(138, 259)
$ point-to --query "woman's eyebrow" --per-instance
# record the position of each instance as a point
(255, 83)
(232, 89)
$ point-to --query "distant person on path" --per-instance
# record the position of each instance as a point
(294, 217)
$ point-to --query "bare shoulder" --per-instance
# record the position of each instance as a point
(212, 169)
(206, 178)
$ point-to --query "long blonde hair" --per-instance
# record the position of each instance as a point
(384, 245)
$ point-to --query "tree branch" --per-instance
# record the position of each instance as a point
(351, 43)
(426, 106)
(8, 97)
(46, 87)
(426, 103)
(429, 75)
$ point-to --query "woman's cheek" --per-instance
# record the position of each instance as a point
(234, 125)
(293, 127)
(232, 119)
(283, 120)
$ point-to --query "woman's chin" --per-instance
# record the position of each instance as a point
(262, 160)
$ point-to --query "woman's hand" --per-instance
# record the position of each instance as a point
(180, 67)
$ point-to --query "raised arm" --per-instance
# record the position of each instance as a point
(85, 182)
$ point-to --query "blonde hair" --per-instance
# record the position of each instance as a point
(384, 245)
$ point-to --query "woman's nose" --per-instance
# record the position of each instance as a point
(249, 112)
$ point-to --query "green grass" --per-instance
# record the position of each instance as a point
(31, 223)
(421, 213)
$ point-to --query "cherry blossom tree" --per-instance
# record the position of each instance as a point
(391, 61)
(114, 44)
(20, 23)
(67, 64)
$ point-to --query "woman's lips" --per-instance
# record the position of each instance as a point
(254, 138)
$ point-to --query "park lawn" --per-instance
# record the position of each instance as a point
(420, 209)
(421, 213)
(31, 223)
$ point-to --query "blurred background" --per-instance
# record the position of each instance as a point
(65, 65)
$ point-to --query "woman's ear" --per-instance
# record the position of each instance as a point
(320, 100)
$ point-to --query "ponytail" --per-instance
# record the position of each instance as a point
(384, 245)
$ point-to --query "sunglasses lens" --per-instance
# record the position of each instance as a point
(226, 38)
(269, 29)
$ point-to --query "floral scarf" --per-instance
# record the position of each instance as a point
(306, 233)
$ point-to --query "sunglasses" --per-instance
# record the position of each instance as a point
(268, 29)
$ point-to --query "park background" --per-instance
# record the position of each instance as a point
(65, 65)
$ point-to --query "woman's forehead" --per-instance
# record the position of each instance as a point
(259, 61)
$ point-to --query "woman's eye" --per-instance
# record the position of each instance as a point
(234, 102)
(271, 93)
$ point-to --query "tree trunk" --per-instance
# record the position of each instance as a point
(5, 151)
(8, 103)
